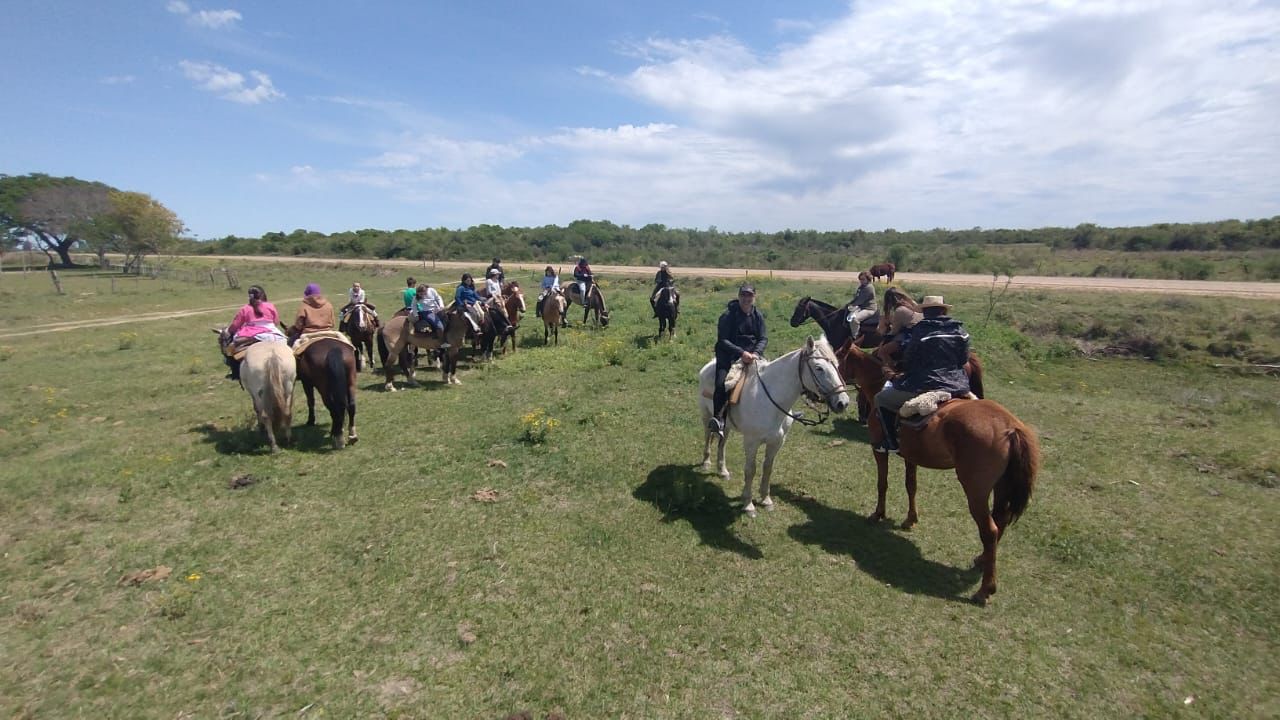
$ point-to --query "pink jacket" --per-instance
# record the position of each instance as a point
(245, 324)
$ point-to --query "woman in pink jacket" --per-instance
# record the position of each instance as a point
(257, 319)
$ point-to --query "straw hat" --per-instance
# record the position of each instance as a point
(933, 301)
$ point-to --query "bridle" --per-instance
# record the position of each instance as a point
(812, 396)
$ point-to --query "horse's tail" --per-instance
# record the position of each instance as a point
(336, 368)
(1013, 489)
(975, 376)
(383, 350)
(278, 390)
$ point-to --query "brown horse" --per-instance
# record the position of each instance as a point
(514, 303)
(397, 336)
(593, 303)
(989, 448)
(329, 365)
(883, 270)
(553, 307)
(361, 326)
(494, 328)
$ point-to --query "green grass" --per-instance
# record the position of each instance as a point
(609, 578)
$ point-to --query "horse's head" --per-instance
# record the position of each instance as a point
(801, 312)
(825, 370)
(604, 318)
(224, 337)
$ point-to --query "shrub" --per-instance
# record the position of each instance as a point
(126, 340)
(536, 426)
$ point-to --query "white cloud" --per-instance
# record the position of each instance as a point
(230, 85)
(178, 7)
(215, 18)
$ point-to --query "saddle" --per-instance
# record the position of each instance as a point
(237, 348)
(304, 341)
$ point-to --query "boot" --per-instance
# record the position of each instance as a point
(889, 422)
(235, 368)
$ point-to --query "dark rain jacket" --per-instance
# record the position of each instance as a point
(739, 332)
(934, 357)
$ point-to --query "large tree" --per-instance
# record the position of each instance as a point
(136, 225)
(54, 213)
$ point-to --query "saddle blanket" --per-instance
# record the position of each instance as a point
(917, 410)
(306, 340)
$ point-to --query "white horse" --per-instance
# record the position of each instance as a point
(268, 372)
(762, 413)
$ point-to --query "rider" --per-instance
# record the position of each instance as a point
(409, 295)
(901, 313)
(496, 265)
(550, 284)
(356, 296)
(493, 284)
(662, 279)
(933, 358)
(425, 313)
(582, 273)
(257, 319)
(314, 314)
(468, 300)
(740, 335)
(863, 305)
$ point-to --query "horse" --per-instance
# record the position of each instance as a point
(667, 306)
(990, 449)
(496, 326)
(329, 365)
(361, 326)
(397, 335)
(883, 270)
(593, 303)
(832, 321)
(515, 307)
(762, 413)
(553, 308)
(267, 372)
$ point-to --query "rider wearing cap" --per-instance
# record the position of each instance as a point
(493, 284)
(496, 265)
(662, 279)
(740, 336)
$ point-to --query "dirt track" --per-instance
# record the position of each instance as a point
(1162, 287)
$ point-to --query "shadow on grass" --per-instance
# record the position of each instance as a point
(846, 428)
(682, 493)
(252, 441)
(879, 551)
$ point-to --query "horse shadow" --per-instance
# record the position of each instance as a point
(682, 493)
(846, 428)
(878, 550)
(251, 441)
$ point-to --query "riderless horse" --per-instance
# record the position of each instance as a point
(990, 449)
(883, 270)
(763, 410)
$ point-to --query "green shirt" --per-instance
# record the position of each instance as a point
(410, 294)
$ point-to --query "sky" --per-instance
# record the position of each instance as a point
(254, 116)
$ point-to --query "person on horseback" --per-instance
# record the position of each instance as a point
(582, 273)
(550, 284)
(933, 358)
(355, 296)
(425, 313)
(662, 279)
(496, 265)
(409, 295)
(466, 299)
(314, 314)
(493, 285)
(258, 319)
(740, 336)
(863, 305)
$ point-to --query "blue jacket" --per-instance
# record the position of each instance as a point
(465, 295)
(933, 357)
(739, 332)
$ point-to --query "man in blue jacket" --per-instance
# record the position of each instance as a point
(933, 358)
(740, 335)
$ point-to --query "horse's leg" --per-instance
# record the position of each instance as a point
(876, 433)
(389, 368)
(978, 494)
(351, 409)
(770, 452)
(310, 390)
(750, 447)
(913, 515)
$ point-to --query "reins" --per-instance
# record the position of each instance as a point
(823, 413)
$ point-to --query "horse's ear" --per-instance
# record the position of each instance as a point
(216, 331)
(808, 343)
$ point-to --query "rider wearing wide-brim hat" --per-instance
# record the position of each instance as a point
(740, 336)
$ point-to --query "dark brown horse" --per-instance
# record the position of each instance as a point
(883, 270)
(832, 321)
(667, 306)
(361, 326)
(329, 366)
(494, 329)
(989, 448)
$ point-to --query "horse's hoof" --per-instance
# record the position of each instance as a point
(310, 422)
(749, 509)
(705, 466)
(767, 503)
(351, 439)
(982, 598)
(389, 387)
(909, 523)
(724, 474)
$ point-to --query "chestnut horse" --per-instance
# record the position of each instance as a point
(329, 365)
(989, 448)
(514, 303)
(883, 270)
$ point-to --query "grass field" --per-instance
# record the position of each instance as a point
(594, 571)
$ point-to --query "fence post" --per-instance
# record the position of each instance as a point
(57, 284)
(113, 284)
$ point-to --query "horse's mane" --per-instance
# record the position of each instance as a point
(825, 306)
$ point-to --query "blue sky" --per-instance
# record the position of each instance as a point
(264, 115)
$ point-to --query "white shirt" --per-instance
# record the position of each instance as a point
(433, 303)
(493, 287)
(357, 296)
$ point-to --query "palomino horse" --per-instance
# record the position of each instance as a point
(668, 309)
(989, 448)
(763, 411)
(883, 270)
(397, 335)
(267, 372)
(361, 326)
(514, 304)
(832, 321)
(593, 306)
(553, 307)
(329, 365)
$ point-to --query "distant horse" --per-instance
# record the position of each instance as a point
(763, 411)
(593, 305)
(514, 304)
(329, 365)
(397, 335)
(883, 270)
(553, 307)
(267, 372)
(361, 326)
(989, 448)
(668, 308)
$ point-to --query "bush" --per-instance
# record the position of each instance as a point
(536, 426)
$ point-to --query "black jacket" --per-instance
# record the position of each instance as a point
(738, 332)
(662, 279)
(934, 357)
